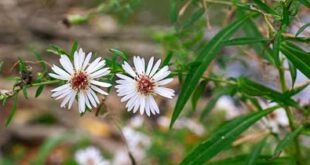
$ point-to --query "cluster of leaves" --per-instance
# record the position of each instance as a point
(193, 55)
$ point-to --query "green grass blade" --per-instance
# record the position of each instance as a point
(223, 137)
(207, 54)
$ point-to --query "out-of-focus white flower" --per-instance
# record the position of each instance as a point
(136, 121)
(181, 123)
(90, 156)
(142, 83)
(81, 80)
(275, 119)
(137, 143)
(226, 104)
(121, 157)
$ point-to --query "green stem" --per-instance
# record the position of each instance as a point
(46, 83)
(290, 117)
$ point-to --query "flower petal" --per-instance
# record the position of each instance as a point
(66, 64)
(86, 61)
(129, 69)
(60, 72)
(161, 74)
(165, 81)
(81, 101)
(149, 66)
(155, 68)
(165, 92)
(95, 88)
(99, 83)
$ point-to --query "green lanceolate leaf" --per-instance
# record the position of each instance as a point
(207, 54)
(173, 11)
(254, 155)
(264, 7)
(12, 112)
(1, 65)
(293, 72)
(252, 88)
(299, 58)
(286, 141)
(118, 53)
(56, 50)
(305, 2)
(244, 41)
(223, 137)
(301, 29)
(25, 92)
(73, 49)
(39, 91)
(198, 92)
(261, 160)
(167, 59)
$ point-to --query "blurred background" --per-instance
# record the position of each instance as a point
(43, 133)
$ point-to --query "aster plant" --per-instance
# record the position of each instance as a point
(258, 29)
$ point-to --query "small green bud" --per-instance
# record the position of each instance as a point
(77, 19)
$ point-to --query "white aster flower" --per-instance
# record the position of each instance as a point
(90, 156)
(142, 84)
(81, 80)
(181, 123)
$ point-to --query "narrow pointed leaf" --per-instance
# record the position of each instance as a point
(197, 93)
(301, 29)
(12, 112)
(264, 7)
(299, 58)
(39, 91)
(305, 2)
(293, 72)
(286, 141)
(244, 41)
(25, 93)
